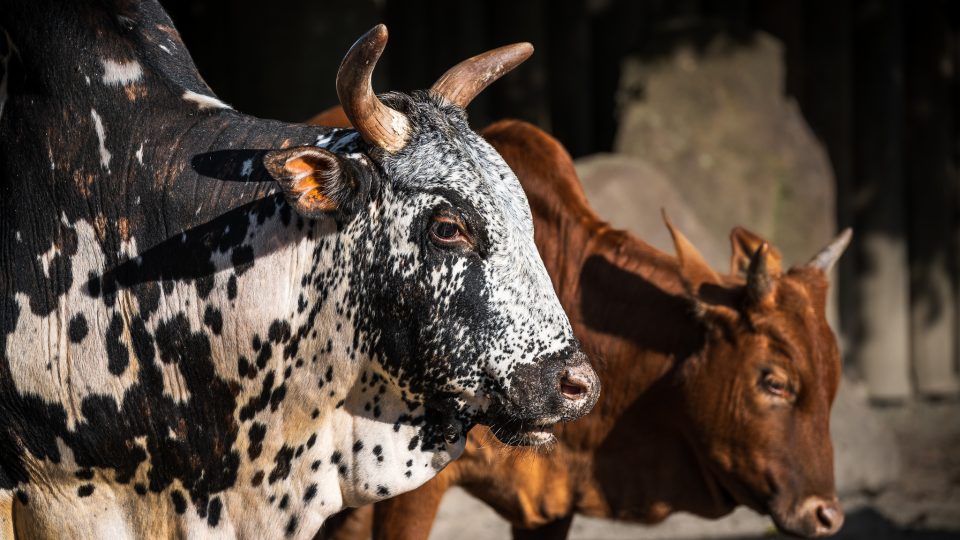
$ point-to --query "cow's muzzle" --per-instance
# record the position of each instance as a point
(815, 517)
(555, 388)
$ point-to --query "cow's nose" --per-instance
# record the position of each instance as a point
(576, 382)
(829, 517)
(579, 386)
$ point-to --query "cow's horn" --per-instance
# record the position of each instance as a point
(461, 83)
(759, 283)
(829, 255)
(378, 124)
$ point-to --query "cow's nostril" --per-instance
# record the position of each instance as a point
(573, 387)
(829, 517)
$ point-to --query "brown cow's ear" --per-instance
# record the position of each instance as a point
(744, 245)
(314, 181)
(693, 268)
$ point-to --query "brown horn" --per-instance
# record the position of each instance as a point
(461, 83)
(829, 255)
(378, 124)
(759, 283)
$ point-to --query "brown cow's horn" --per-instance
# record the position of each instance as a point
(378, 124)
(829, 255)
(759, 283)
(461, 83)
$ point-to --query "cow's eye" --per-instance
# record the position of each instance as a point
(775, 384)
(449, 231)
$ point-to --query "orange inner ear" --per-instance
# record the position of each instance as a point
(307, 188)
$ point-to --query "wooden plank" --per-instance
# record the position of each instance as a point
(826, 105)
(953, 9)
(617, 29)
(881, 343)
(931, 187)
(570, 85)
(523, 94)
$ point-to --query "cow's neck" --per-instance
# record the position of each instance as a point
(131, 137)
(627, 298)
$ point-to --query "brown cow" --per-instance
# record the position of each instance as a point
(717, 388)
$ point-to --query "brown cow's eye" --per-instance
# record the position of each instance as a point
(449, 231)
(775, 385)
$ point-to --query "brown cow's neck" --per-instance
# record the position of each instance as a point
(627, 305)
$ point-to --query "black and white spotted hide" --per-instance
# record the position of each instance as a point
(213, 325)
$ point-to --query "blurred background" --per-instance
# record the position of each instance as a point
(792, 118)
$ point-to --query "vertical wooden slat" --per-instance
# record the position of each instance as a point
(617, 29)
(881, 344)
(523, 94)
(953, 11)
(785, 20)
(408, 23)
(568, 67)
(826, 105)
(931, 197)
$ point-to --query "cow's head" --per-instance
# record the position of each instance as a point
(448, 297)
(760, 395)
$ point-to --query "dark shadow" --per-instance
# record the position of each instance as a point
(618, 302)
(187, 256)
(232, 165)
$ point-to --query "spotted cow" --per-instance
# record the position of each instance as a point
(213, 325)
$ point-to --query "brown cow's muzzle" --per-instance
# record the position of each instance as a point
(813, 518)
(556, 388)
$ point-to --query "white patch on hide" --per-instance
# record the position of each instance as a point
(102, 140)
(204, 102)
(121, 73)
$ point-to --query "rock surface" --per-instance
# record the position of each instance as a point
(629, 192)
(716, 122)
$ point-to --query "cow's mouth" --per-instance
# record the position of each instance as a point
(516, 432)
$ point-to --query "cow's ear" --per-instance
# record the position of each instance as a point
(693, 268)
(743, 247)
(314, 181)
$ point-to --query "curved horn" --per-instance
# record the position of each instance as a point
(759, 283)
(461, 83)
(829, 255)
(378, 124)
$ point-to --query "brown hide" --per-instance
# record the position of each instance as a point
(332, 117)
(712, 398)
